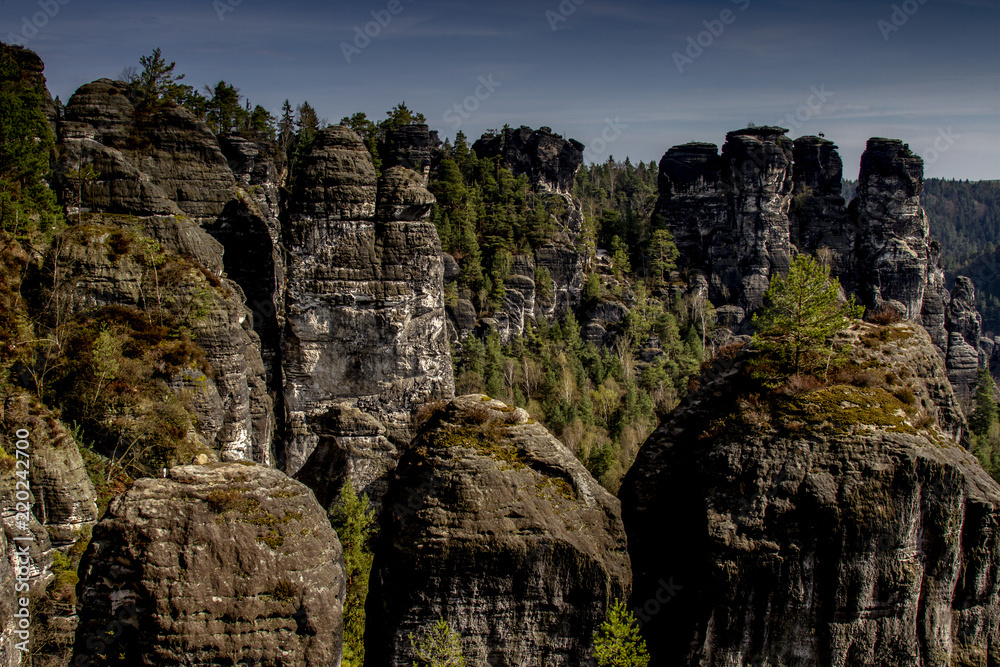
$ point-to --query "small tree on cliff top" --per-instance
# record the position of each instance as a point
(801, 315)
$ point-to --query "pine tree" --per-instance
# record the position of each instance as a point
(617, 643)
(663, 254)
(354, 520)
(26, 144)
(157, 82)
(801, 314)
(985, 426)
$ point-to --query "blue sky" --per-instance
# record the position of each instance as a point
(624, 78)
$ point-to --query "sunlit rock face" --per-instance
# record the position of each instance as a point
(365, 321)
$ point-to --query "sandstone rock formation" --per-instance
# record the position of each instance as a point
(841, 525)
(492, 524)
(739, 216)
(218, 564)
(365, 319)
(893, 244)
(166, 168)
(411, 147)
(818, 220)
(729, 213)
(549, 161)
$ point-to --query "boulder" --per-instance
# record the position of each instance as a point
(840, 525)
(492, 524)
(220, 564)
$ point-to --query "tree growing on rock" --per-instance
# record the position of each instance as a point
(439, 647)
(801, 314)
(617, 642)
(354, 520)
(157, 81)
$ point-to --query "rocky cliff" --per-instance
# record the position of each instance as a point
(218, 564)
(492, 524)
(365, 336)
(160, 174)
(550, 163)
(548, 160)
(839, 524)
(738, 216)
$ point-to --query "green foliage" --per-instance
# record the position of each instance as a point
(964, 216)
(617, 199)
(156, 84)
(26, 145)
(620, 263)
(354, 520)
(985, 426)
(617, 643)
(439, 646)
(663, 255)
(109, 377)
(800, 315)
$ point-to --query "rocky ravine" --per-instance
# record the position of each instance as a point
(839, 526)
(218, 564)
(492, 524)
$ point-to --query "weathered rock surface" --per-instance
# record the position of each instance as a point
(65, 500)
(409, 146)
(867, 537)
(492, 524)
(365, 324)
(893, 245)
(965, 325)
(218, 564)
(402, 196)
(729, 213)
(549, 161)
(738, 217)
(818, 220)
(167, 168)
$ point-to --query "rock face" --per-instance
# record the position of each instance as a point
(549, 161)
(965, 325)
(492, 524)
(167, 168)
(220, 564)
(729, 213)
(893, 246)
(818, 220)
(365, 320)
(868, 537)
(757, 167)
(738, 217)
(411, 147)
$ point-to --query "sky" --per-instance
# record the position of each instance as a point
(625, 78)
